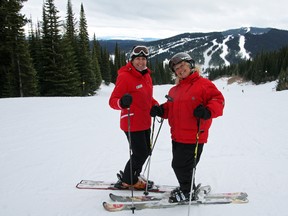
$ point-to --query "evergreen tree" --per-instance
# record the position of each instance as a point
(52, 79)
(95, 63)
(6, 37)
(27, 81)
(283, 76)
(35, 48)
(123, 59)
(105, 67)
(283, 80)
(59, 76)
(164, 77)
(69, 69)
(88, 79)
(117, 63)
(70, 26)
(169, 74)
(156, 73)
(69, 46)
(17, 75)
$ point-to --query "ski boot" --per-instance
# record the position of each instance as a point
(139, 185)
(177, 195)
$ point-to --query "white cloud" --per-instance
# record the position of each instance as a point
(162, 19)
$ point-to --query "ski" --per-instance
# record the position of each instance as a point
(236, 197)
(104, 185)
(120, 206)
(204, 190)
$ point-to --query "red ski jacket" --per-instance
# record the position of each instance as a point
(140, 87)
(185, 97)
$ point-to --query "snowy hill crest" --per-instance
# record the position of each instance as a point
(213, 49)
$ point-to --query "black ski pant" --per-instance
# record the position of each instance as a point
(141, 149)
(183, 161)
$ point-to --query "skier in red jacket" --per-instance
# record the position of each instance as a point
(133, 93)
(192, 102)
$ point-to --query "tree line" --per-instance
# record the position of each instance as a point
(58, 59)
(265, 67)
(49, 62)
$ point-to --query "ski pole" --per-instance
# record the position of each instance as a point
(149, 157)
(194, 163)
(152, 134)
(130, 154)
(153, 143)
(161, 123)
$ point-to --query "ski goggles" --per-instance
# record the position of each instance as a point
(138, 50)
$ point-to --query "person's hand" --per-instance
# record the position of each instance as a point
(126, 101)
(202, 112)
(156, 110)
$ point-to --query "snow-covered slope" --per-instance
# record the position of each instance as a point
(47, 145)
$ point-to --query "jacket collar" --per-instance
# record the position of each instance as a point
(191, 78)
(135, 72)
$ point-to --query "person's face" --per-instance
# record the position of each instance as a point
(140, 63)
(182, 69)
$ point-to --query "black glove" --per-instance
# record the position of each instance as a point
(126, 101)
(156, 111)
(202, 112)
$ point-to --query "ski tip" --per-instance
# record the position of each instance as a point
(106, 206)
(240, 201)
(111, 195)
(113, 207)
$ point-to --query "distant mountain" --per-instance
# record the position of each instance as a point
(211, 49)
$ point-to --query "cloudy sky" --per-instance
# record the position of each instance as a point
(164, 18)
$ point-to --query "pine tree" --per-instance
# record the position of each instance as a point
(70, 26)
(123, 59)
(88, 79)
(17, 75)
(164, 77)
(71, 32)
(35, 48)
(169, 74)
(283, 80)
(28, 82)
(69, 47)
(105, 67)
(5, 50)
(59, 76)
(69, 69)
(283, 76)
(157, 75)
(52, 80)
(117, 63)
(95, 63)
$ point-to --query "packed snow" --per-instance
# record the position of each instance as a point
(47, 145)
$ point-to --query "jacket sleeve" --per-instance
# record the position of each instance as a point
(166, 110)
(120, 89)
(214, 100)
(154, 102)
